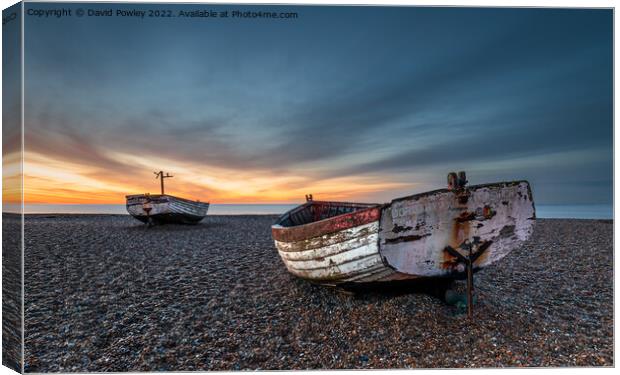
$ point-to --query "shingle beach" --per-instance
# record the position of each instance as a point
(104, 293)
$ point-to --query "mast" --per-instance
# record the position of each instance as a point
(161, 176)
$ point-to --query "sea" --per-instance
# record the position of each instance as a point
(598, 211)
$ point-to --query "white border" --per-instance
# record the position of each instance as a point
(478, 3)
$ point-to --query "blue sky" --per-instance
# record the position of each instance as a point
(360, 103)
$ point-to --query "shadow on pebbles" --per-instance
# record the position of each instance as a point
(104, 293)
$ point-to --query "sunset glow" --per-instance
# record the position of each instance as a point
(52, 181)
(342, 111)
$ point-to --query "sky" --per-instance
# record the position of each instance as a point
(347, 103)
(11, 108)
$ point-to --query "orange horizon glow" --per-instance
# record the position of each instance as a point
(52, 181)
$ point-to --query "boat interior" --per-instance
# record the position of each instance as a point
(315, 211)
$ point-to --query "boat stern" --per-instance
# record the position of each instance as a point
(141, 206)
(436, 234)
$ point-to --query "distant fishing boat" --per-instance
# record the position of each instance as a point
(163, 208)
(446, 233)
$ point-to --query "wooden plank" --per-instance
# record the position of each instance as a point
(360, 233)
(334, 256)
(337, 259)
(322, 227)
(342, 272)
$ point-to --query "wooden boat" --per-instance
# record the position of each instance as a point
(163, 208)
(443, 233)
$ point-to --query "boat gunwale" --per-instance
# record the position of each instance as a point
(157, 196)
(322, 227)
(469, 187)
(325, 226)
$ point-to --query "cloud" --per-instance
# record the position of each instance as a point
(429, 89)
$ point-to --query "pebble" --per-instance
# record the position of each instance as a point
(104, 293)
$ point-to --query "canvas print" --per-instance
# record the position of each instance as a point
(198, 187)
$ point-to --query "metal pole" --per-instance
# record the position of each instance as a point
(161, 176)
(470, 286)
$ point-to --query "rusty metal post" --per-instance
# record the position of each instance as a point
(453, 181)
(462, 179)
(468, 261)
(161, 177)
(470, 287)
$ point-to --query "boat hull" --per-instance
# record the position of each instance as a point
(407, 238)
(416, 230)
(165, 209)
(347, 253)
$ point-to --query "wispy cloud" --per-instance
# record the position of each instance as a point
(346, 110)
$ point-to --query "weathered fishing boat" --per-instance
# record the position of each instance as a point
(163, 208)
(446, 233)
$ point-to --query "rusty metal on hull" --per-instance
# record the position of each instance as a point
(337, 243)
(498, 214)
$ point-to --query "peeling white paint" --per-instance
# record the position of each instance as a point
(409, 239)
(430, 223)
(350, 253)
